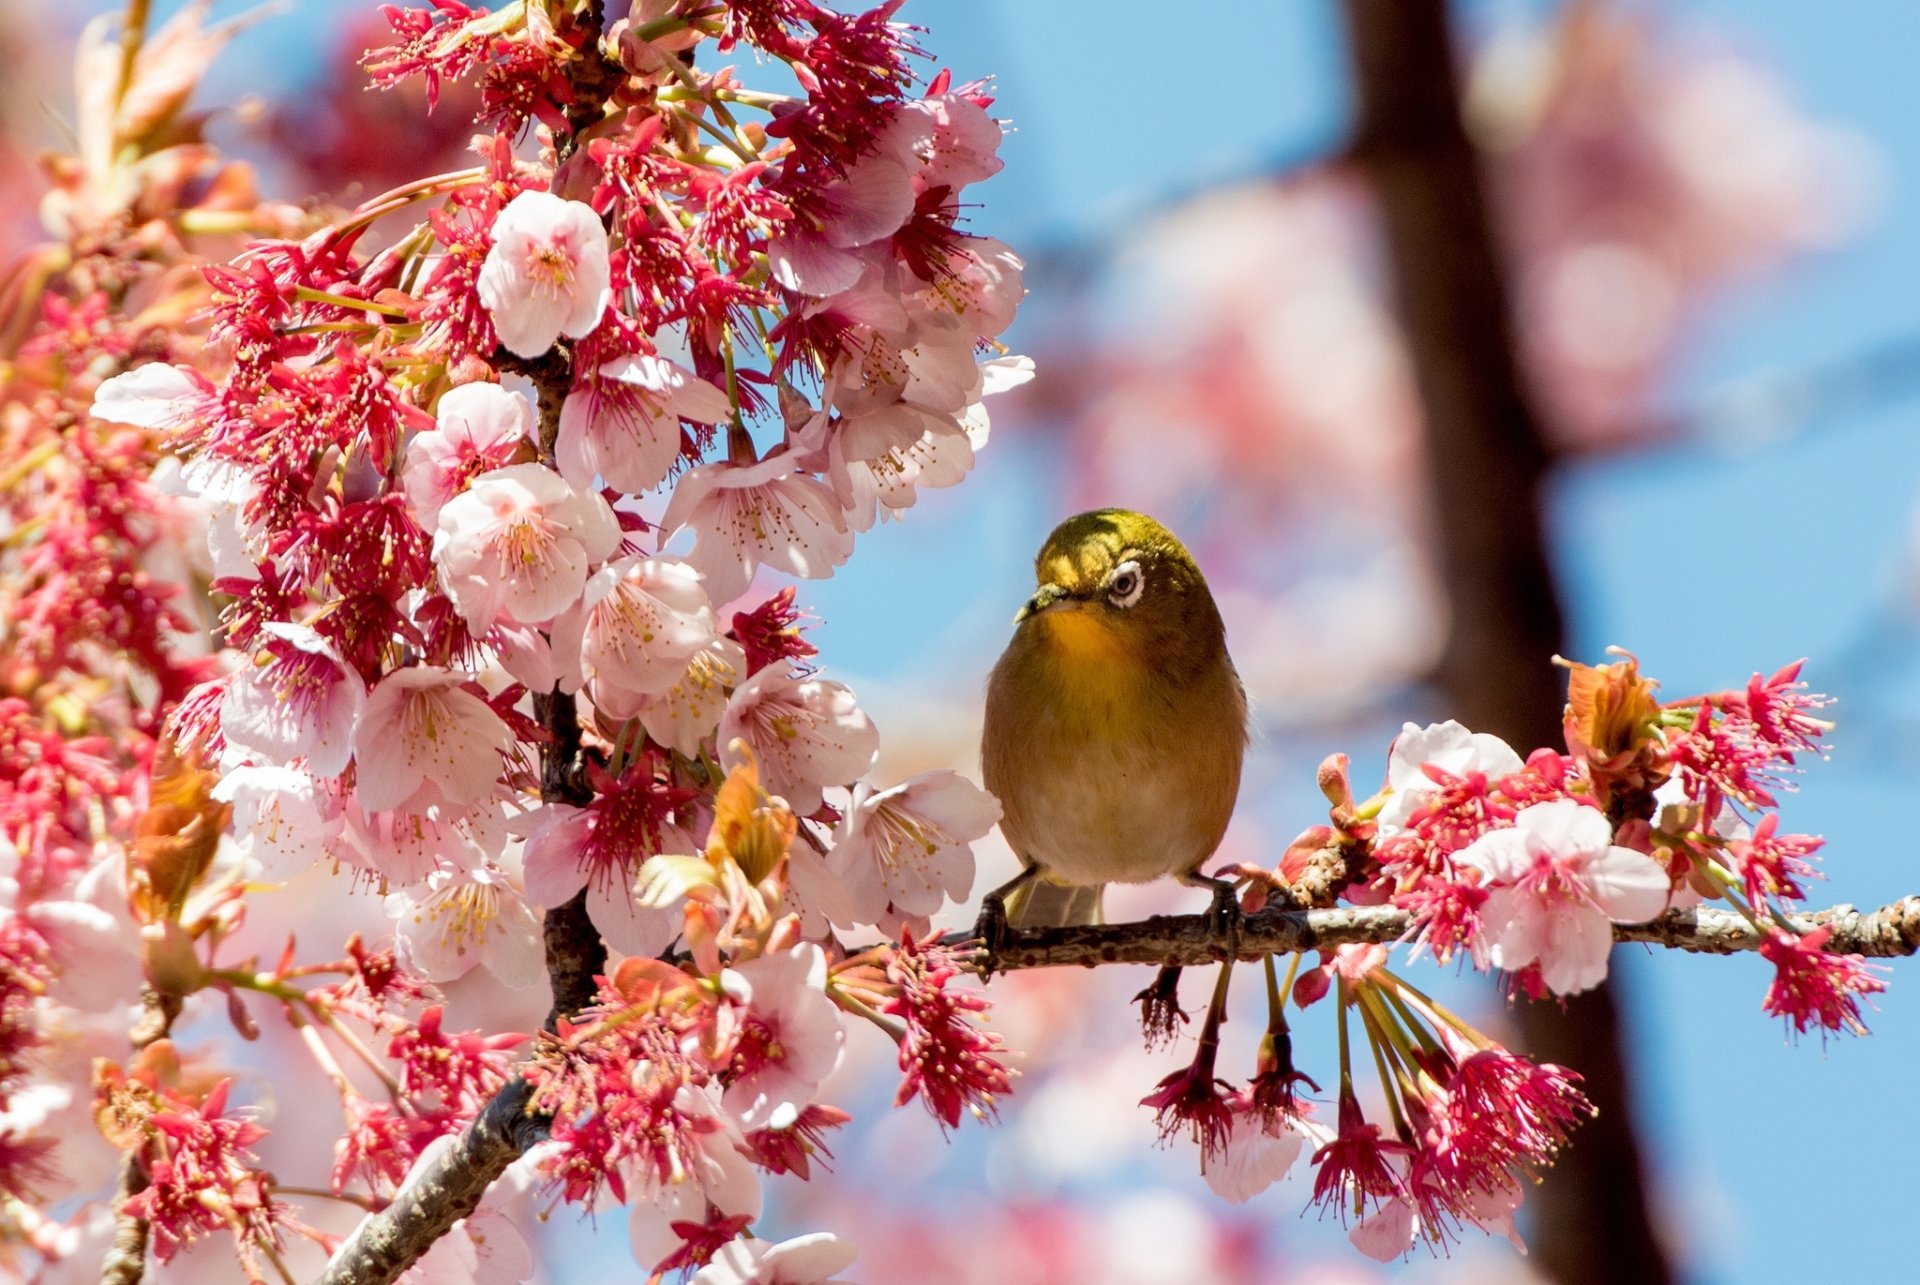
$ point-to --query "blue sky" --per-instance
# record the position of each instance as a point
(1707, 560)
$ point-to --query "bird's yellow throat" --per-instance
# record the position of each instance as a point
(1089, 658)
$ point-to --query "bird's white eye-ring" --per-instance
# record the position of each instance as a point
(1124, 586)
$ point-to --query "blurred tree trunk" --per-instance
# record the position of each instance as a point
(1487, 459)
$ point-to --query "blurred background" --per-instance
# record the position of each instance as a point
(1658, 389)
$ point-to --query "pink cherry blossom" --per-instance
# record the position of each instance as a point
(870, 202)
(484, 1248)
(467, 916)
(639, 624)
(478, 427)
(980, 284)
(790, 1036)
(887, 483)
(155, 395)
(300, 702)
(623, 426)
(546, 273)
(717, 1175)
(520, 542)
(408, 843)
(964, 144)
(571, 848)
(686, 714)
(1558, 885)
(804, 1260)
(1254, 1157)
(747, 515)
(912, 844)
(1447, 746)
(806, 733)
(282, 818)
(424, 738)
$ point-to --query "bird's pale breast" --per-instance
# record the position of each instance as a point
(1107, 772)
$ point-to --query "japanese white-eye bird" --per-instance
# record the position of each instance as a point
(1115, 723)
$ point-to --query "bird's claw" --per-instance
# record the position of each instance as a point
(1224, 916)
(991, 928)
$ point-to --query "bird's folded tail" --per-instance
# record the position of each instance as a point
(1041, 903)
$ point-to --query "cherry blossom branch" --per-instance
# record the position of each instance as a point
(1181, 940)
(387, 1243)
(126, 1260)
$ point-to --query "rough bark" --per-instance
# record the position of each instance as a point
(1183, 940)
(386, 1244)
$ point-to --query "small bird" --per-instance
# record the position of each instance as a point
(1115, 724)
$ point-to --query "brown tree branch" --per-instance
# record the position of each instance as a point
(126, 1260)
(387, 1243)
(1890, 931)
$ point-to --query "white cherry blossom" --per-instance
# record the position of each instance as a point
(423, 738)
(520, 543)
(749, 515)
(911, 845)
(546, 273)
(300, 702)
(806, 733)
(1558, 884)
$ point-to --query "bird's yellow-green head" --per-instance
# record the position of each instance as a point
(1116, 588)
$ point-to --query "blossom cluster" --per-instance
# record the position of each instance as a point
(686, 1080)
(486, 476)
(1524, 866)
(424, 553)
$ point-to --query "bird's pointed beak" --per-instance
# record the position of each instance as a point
(1048, 595)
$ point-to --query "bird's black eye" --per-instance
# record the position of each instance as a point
(1125, 584)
